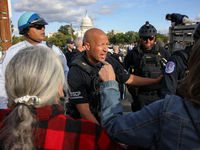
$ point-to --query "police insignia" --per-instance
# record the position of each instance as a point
(169, 68)
(120, 59)
(2, 58)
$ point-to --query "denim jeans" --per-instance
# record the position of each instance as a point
(164, 124)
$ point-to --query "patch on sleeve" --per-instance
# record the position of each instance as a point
(120, 59)
(170, 66)
(2, 58)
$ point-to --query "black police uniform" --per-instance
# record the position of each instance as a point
(77, 55)
(175, 70)
(68, 54)
(118, 57)
(144, 95)
(80, 82)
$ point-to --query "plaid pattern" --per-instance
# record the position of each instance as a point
(56, 131)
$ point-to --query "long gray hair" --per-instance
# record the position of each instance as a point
(190, 85)
(35, 71)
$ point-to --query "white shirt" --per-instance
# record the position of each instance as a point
(8, 56)
(131, 47)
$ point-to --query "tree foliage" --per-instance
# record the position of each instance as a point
(65, 30)
(60, 38)
(129, 37)
(161, 37)
(15, 39)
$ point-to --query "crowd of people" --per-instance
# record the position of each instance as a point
(38, 80)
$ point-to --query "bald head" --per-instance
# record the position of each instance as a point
(96, 45)
(92, 33)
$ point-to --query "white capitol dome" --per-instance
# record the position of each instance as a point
(86, 23)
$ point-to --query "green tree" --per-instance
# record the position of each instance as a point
(15, 39)
(130, 37)
(59, 39)
(111, 37)
(137, 37)
(22, 38)
(120, 38)
(64, 29)
(161, 37)
(12, 26)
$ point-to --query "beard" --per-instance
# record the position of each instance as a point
(148, 47)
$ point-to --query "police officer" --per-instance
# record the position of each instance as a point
(69, 51)
(177, 67)
(146, 60)
(32, 26)
(83, 74)
(79, 43)
(119, 57)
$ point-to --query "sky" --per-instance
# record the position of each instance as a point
(107, 15)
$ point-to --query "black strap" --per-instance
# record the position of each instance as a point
(26, 34)
(84, 66)
(183, 57)
(191, 118)
(22, 104)
(156, 49)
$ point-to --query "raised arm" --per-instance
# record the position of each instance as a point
(140, 81)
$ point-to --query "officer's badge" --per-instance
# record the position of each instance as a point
(170, 66)
(2, 58)
(84, 63)
(159, 54)
(120, 59)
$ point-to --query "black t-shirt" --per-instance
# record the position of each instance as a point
(80, 82)
(77, 55)
(118, 57)
(69, 55)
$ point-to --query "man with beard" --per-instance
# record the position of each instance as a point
(146, 60)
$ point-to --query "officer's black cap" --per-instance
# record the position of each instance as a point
(70, 41)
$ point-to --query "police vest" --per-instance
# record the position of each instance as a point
(151, 66)
(94, 95)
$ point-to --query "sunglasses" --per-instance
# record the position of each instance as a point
(148, 37)
(38, 27)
